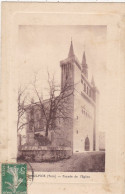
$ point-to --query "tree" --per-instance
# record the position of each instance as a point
(55, 108)
(22, 100)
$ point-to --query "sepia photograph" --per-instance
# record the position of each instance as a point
(61, 97)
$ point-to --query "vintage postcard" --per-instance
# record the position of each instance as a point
(62, 98)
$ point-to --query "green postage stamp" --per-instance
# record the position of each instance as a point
(14, 179)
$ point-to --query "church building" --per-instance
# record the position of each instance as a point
(80, 133)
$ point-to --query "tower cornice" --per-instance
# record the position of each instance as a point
(71, 60)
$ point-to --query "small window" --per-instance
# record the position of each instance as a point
(77, 131)
(90, 92)
(77, 117)
(84, 87)
(81, 81)
(38, 125)
(37, 115)
(31, 113)
(87, 90)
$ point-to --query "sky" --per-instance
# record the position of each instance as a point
(41, 48)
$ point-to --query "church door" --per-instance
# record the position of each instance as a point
(87, 144)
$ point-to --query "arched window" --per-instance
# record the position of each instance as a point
(87, 144)
(84, 87)
(66, 76)
(90, 92)
(87, 90)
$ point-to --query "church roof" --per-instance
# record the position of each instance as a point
(71, 50)
(71, 57)
(84, 60)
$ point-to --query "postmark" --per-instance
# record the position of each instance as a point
(30, 172)
(14, 179)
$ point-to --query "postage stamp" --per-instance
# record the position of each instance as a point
(14, 179)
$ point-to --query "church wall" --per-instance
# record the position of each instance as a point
(83, 116)
(66, 126)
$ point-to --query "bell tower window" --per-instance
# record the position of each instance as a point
(84, 87)
(87, 89)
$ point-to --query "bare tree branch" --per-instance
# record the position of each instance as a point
(53, 110)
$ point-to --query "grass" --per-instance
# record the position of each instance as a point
(79, 162)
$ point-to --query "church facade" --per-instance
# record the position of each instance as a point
(80, 132)
(83, 131)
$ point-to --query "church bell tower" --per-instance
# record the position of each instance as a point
(67, 68)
